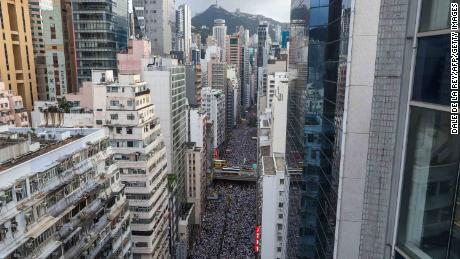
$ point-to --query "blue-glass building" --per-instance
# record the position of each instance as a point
(318, 54)
(101, 31)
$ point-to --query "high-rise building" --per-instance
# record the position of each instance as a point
(101, 31)
(246, 76)
(157, 22)
(138, 147)
(274, 81)
(214, 105)
(379, 161)
(166, 81)
(262, 44)
(275, 203)
(284, 38)
(217, 74)
(233, 101)
(17, 65)
(193, 84)
(234, 51)
(219, 32)
(54, 48)
(196, 166)
(61, 196)
(184, 31)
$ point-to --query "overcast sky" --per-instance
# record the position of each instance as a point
(276, 9)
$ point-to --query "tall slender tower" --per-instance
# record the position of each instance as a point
(184, 30)
(219, 32)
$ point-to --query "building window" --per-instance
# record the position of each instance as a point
(53, 31)
(114, 116)
(430, 176)
(435, 15)
(130, 117)
(129, 131)
(118, 130)
(114, 102)
(98, 122)
(432, 70)
(130, 144)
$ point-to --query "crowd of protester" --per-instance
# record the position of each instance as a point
(242, 148)
(228, 224)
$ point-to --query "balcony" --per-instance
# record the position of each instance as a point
(142, 92)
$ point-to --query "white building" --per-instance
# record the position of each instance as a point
(275, 177)
(64, 198)
(184, 30)
(219, 32)
(275, 204)
(166, 81)
(214, 104)
(156, 21)
(137, 143)
(233, 97)
(277, 80)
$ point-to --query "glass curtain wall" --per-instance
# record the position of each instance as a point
(317, 88)
(429, 218)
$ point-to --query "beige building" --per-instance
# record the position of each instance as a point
(195, 160)
(17, 67)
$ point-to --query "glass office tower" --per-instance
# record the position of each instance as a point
(318, 65)
(101, 31)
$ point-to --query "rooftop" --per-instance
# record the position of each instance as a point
(44, 147)
(269, 165)
(55, 144)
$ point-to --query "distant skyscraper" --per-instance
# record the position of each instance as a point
(233, 48)
(219, 32)
(284, 38)
(157, 22)
(262, 34)
(278, 33)
(184, 31)
(101, 31)
(17, 64)
(54, 48)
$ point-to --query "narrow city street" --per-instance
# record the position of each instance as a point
(228, 228)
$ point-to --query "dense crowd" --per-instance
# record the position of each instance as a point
(228, 225)
(242, 149)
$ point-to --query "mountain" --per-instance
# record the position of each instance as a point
(232, 20)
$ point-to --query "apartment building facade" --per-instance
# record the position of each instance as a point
(67, 200)
(138, 147)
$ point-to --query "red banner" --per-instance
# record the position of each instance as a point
(256, 247)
